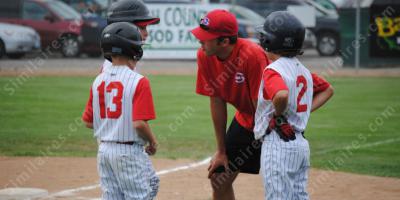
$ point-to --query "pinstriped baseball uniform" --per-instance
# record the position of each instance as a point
(106, 64)
(285, 165)
(125, 170)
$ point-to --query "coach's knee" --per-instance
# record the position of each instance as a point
(222, 182)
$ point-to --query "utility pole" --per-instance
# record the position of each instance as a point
(358, 32)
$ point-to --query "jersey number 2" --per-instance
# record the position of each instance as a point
(301, 80)
(117, 99)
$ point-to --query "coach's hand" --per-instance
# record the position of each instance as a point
(219, 159)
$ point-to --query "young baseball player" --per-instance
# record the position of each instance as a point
(230, 71)
(132, 11)
(285, 101)
(118, 109)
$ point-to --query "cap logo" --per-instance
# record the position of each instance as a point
(205, 21)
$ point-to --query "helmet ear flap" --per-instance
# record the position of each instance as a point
(138, 54)
(266, 40)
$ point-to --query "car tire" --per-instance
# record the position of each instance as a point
(327, 44)
(16, 55)
(70, 47)
(2, 49)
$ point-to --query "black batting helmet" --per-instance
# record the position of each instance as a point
(130, 11)
(122, 38)
(282, 33)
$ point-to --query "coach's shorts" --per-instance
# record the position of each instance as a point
(242, 149)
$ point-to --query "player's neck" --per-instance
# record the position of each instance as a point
(122, 61)
(273, 57)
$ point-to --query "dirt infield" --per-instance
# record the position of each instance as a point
(60, 174)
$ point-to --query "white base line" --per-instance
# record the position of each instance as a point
(372, 144)
(70, 192)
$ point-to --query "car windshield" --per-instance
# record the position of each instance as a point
(321, 11)
(264, 8)
(63, 10)
(247, 14)
(103, 3)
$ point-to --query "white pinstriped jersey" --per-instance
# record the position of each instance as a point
(299, 81)
(106, 64)
(113, 96)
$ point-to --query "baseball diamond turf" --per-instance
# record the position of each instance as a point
(357, 131)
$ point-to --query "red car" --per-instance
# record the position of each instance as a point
(58, 25)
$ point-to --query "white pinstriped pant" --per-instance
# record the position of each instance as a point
(126, 172)
(284, 167)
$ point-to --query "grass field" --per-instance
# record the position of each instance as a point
(358, 131)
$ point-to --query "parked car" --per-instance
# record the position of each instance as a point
(328, 4)
(58, 25)
(247, 19)
(94, 23)
(16, 41)
(326, 31)
(94, 14)
(93, 26)
(352, 3)
(85, 6)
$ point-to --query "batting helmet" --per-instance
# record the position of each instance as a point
(282, 33)
(130, 11)
(122, 38)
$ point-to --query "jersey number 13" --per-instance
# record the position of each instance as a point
(116, 99)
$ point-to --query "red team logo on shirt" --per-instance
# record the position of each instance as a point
(239, 77)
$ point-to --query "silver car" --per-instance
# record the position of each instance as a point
(16, 40)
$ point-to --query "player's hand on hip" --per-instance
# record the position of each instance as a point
(219, 160)
(282, 127)
(151, 149)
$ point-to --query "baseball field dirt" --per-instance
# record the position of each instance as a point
(57, 174)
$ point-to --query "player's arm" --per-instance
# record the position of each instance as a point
(275, 89)
(87, 116)
(144, 131)
(89, 125)
(321, 98)
(280, 102)
(323, 91)
(143, 111)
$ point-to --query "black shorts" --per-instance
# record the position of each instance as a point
(242, 149)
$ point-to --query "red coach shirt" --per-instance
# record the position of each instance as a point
(236, 79)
